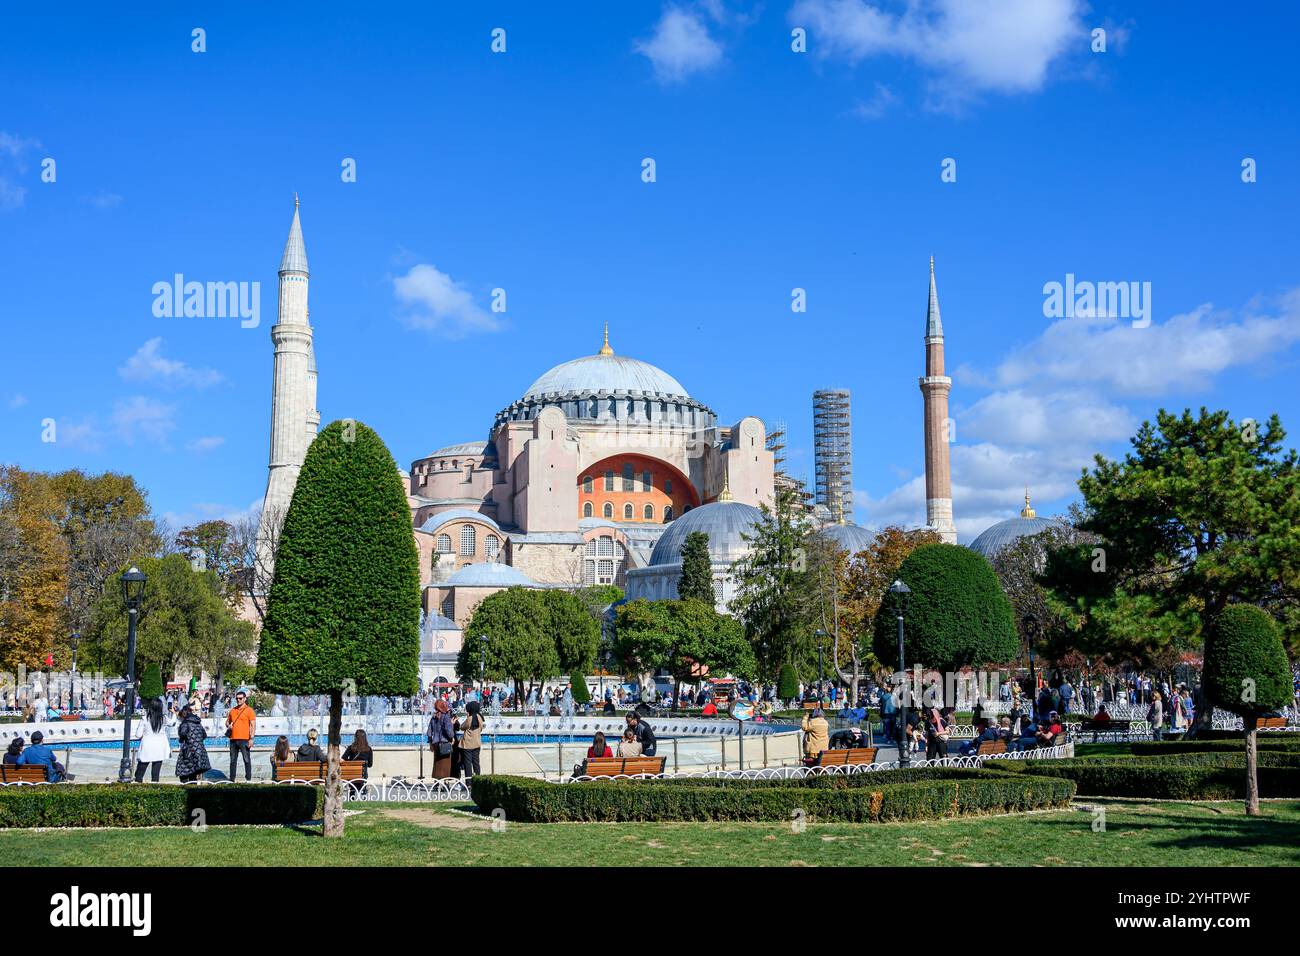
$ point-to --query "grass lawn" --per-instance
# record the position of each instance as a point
(1136, 834)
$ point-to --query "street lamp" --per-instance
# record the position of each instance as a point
(1031, 627)
(72, 692)
(902, 593)
(821, 676)
(133, 581)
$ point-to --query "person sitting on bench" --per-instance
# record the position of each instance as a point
(39, 755)
(1051, 729)
(985, 734)
(849, 738)
(1101, 719)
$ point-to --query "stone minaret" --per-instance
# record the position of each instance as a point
(934, 388)
(294, 418)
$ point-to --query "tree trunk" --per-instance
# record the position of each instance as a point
(333, 824)
(1252, 779)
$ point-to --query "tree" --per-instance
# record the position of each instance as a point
(578, 686)
(343, 611)
(687, 639)
(33, 569)
(696, 581)
(151, 683)
(227, 650)
(218, 543)
(787, 683)
(576, 632)
(770, 581)
(1247, 673)
(519, 646)
(957, 615)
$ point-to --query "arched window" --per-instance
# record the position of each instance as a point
(605, 546)
(444, 544)
(627, 511)
(649, 512)
(493, 546)
(647, 483)
(609, 510)
(628, 480)
(468, 539)
(668, 486)
(586, 485)
(586, 509)
(448, 607)
(602, 560)
(685, 508)
(668, 513)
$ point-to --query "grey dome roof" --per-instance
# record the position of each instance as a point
(606, 373)
(849, 537)
(436, 521)
(723, 521)
(462, 448)
(436, 622)
(491, 574)
(996, 537)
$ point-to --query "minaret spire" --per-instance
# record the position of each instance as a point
(935, 386)
(605, 349)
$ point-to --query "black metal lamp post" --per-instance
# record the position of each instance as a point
(902, 593)
(72, 691)
(133, 581)
(1031, 627)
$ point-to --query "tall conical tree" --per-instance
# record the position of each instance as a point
(697, 569)
(343, 613)
(151, 683)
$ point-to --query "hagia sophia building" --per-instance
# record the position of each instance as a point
(594, 475)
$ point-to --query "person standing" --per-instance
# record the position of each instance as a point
(442, 739)
(1156, 714)
(936, 734)
(889, 713)
(471, 741)
(816, 734)
(154, 746)
(241, 724)
(359, 749)
(192, 761)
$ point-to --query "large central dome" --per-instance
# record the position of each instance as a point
(606, 372)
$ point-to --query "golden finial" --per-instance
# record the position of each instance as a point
(1028, 511)
(726, 487)
(605, 349)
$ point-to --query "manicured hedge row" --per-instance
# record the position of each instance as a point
(1170, 779)
(1275, 742)
(144, 805)
(535, 801)
(1290, 736)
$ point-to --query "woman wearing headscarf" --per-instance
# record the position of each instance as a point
(192, 761)
(442, 739)
(471, 741)
(154, 745)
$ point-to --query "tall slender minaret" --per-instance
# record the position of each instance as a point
(934, 388)
(294, 418)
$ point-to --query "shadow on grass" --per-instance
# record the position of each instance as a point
(1188, 827)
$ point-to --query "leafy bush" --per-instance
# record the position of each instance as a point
(578, 686)
(1246, 670)
(1271, 742)
(1174, 778)
(151, 683)
(863, 800)
(787, 683)
(147, 805)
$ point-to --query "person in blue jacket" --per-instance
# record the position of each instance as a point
(40, 755)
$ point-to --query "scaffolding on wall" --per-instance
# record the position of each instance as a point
(833, 452)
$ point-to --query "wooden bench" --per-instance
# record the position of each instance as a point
(1104, 727)
(1270, 723)
(849, 757)
(991, 747)
(811, 704)
(614, 766)
(15, 773)
(316, 770)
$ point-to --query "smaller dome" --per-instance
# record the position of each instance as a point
(725, 522)
(491, 574)
(436, 622)
(462, 448)
(436, 521)
(996, 537)
(849, 537)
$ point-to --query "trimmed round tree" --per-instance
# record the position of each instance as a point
(1247, 673)
(343, 613)
(957, 615)
(151, 683)
(578, 687)
(787, 682)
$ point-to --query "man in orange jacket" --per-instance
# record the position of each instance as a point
(240, 727)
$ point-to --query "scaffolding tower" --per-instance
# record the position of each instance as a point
(833, 452)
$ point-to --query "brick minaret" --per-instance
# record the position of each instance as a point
(935, 386)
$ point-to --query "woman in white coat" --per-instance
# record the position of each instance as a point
(154, 745)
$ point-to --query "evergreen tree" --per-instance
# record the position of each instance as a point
(519, 645)
(1247, 673)
(578, 687)
(696, 581)
(343, 612)
(787, 683)
(151, 683)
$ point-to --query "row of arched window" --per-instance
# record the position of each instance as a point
(629, 511)
(469, 543)
(629, 481)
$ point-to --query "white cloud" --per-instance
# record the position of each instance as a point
(436, 302)
(149, 365)
(681, 45)
(879, 104)
(967, 48)
(18, 401)
(13, 149)
(138, 417)
(206, 443)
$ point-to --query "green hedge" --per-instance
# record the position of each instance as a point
(535, 801)
(1289, 737)
(147, 805)
(1217, 777)
(1277, 743)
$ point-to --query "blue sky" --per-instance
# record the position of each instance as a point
(522, 171)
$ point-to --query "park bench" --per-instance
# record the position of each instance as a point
(811, 704)
(614, 766)
(1270, 723)
(851, 756)
(15, 773)
(316, 770)
(1104, 727)
(988, 747)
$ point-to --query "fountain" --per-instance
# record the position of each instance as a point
(494, 708)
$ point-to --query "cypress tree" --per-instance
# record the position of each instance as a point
(343, 613)
(697, 569)
(151, 683)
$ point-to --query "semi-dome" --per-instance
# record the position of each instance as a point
(851, 538)
(436, 521)
(996, 537)
(490, 574)
(725, 522)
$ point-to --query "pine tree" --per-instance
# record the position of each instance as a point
(343, 612)
(697, 569)
(151, 683)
